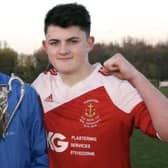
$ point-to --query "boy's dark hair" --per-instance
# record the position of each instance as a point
(65, 15)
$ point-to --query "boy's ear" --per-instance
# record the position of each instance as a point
(44, 44)
(91, 42)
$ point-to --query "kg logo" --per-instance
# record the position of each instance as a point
(56, 142)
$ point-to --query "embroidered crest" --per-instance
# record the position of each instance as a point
(90, 111)
(90, 116)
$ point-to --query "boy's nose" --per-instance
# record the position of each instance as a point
(63, 49)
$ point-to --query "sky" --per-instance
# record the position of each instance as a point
(21, 21)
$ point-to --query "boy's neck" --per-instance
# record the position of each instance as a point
(74, 78)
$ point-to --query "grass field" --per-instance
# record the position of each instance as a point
(147, 152)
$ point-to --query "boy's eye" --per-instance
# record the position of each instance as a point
(74, 41)
(54, 43)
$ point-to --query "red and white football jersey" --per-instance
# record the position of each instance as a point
(89, 124)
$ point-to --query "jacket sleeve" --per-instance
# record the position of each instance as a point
(38, 142)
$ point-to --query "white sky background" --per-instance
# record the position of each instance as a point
(21, 21)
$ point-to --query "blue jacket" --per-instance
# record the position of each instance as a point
(24, 145)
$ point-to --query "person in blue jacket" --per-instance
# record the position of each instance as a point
(22, 134)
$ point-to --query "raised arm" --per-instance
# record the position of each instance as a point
(155, 101)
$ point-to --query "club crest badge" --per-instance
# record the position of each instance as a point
(90, 111)
(90, 116)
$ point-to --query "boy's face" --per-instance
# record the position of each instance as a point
(68, 48)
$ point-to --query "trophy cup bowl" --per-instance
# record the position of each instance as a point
(3, 107)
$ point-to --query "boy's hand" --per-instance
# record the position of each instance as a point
(120, 67)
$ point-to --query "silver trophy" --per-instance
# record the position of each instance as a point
(3, 107)
(5, 120)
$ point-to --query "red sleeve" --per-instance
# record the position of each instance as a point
(142, 119)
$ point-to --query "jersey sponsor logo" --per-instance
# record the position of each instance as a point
(49, 98)
(56, 142)
(78, 145)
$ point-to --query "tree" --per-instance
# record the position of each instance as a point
(8, 60)
(25, 68)
(40, 61)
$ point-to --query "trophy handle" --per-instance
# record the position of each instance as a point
(13, 77)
